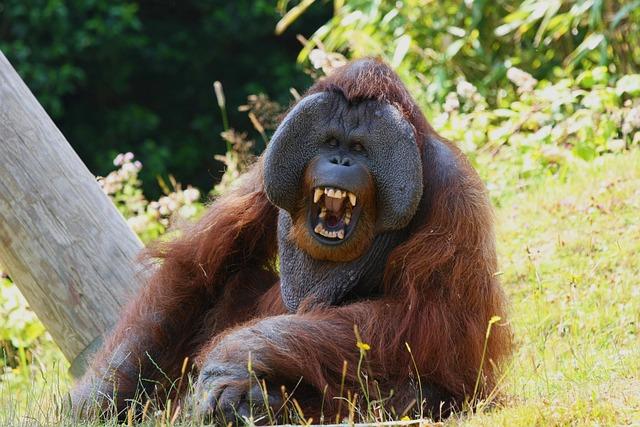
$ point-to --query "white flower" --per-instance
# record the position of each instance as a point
(616, 144)
(191, 194)
(138, 223)
(631, 120)
(451, 103)
(525, 81)
(118, 160)
(466, 89)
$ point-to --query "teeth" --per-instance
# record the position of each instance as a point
(352, 199)
(347, 218)
(319, 229)
(336, 193)
(323, 212)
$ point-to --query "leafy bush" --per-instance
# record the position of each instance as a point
(19, 327)
(148, 219)
(432, 43)
(537, 127)
(134, 75)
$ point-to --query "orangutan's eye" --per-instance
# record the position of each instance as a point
(357, 147)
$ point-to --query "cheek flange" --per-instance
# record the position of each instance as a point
(293, 145)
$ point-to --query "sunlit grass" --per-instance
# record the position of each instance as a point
(570, 260)
(570, 254)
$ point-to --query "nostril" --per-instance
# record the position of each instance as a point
(340, 161)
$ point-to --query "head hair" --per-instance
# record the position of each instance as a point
(372, 79)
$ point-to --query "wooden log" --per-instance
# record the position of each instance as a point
(62, 241)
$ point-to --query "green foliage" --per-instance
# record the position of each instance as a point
(432, 43)
(48, 39)
(148, 219)
(19, 328)
(133, 75)
(538, 128)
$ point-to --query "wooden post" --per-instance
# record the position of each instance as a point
(62, 241)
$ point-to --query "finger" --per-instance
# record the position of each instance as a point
(228, 402)
(263, 401)
(207, 398)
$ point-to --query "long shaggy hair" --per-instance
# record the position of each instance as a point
(440, 286)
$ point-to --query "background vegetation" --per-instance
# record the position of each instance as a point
(542, 95)
(129, 75)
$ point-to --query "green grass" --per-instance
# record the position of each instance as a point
(570, 256)
(569, 247)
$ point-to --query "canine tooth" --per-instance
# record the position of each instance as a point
(318, 229)
(347, 219)
(317, 194)
(323, 212)
(352, 199)
(341, 234)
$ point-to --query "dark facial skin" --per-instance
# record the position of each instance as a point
(348, 179)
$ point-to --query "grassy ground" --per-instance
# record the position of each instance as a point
(570, 253)
(569, 247)
(569, 250)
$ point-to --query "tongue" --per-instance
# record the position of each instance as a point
(333, 204)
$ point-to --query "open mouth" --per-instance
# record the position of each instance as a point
(333, 214)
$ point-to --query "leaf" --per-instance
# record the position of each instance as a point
(590, 43)
(402, 47)
(550, 13)
(623, 13)
(629, 84)
(595, 16)
(454, 48)
(585, 151)
(293, 14)
(477, 12)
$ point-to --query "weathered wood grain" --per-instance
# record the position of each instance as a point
(62, 241)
